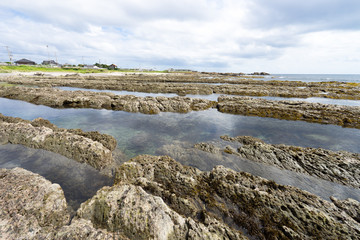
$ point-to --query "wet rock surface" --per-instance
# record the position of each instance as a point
(347, 116)
(92, 148)
(340, 167)
(158, 198)
(31, 207)
(244, 204)
(196, 83)
(57, 98)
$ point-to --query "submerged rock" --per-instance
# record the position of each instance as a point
(92, 148)
(31, 207)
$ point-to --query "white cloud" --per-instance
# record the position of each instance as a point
(220, 35)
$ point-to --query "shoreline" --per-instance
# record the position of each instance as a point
(175, 201)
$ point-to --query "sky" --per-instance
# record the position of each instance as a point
(275, 36)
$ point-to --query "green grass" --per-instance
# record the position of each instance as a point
(24, 68)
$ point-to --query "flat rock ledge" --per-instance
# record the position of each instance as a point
(340, 167)
(346, 116)
(158, 198)
(57, 98)
(195, 84)
(91, 148)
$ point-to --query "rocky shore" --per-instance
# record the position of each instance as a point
(346, 116)
(194, 83)
(57, 98)
(158, 198)
(91, 148)
(31, 206)
(340, 167)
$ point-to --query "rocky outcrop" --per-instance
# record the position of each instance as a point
(101, 100)
(347, 116)
(92, 148)
(158, 198)
(340, 167)
(31, 207)
(197, 83)
(130, 211)
(237, 203)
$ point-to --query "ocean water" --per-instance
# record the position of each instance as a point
(315, 77)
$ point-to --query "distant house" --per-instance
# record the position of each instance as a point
(112, 67)
(49, 62)
(25, 62)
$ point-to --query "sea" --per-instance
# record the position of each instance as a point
(315, 77)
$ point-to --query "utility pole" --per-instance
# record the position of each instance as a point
(56, 58)
(9, 53)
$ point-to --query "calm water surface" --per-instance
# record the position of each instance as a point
(174, 134)
(315, 77)
(214, 97)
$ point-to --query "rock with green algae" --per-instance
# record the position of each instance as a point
(92, 148)
(347, 116)
(158, 198)
(130, 211)
(340, 167)
(57, 98)
(245, 204)
(31, 207)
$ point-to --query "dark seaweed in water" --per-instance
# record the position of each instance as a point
(79, 181)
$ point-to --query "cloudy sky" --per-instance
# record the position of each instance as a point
(276, 36)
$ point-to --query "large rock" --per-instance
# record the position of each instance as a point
(92, 148)
(101, 100)
(340, 167)
(158, 198)
(31, 207)
(241, 203)
(347, 116)
(136, 214)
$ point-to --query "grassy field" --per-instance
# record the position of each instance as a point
(24, 68)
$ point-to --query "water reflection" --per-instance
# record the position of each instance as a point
(214, 97)
(167, 133)
(79, 181)
(142, 134)
(187, 155)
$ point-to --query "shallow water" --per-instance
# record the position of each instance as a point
(166, 133)
(187, 155)
(214, 97)
(138, 133)
(79, 181)
(343, 102)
